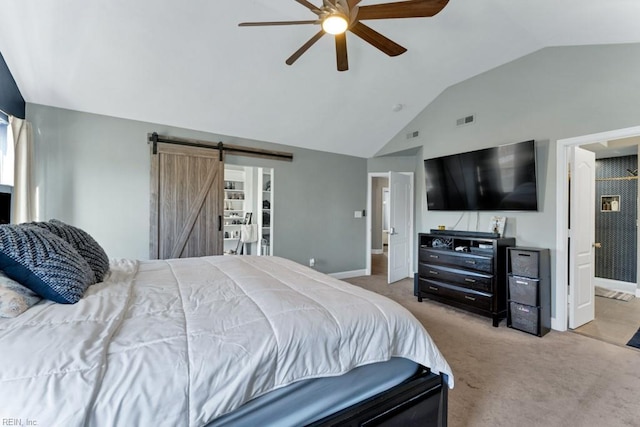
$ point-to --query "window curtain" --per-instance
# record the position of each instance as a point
(21, 134)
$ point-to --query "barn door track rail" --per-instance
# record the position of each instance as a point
(154, 138)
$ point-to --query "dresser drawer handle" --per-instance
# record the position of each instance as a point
(470, 261)
(433, 288)
(470, 280)
(435, 273)
(520, 282)
(434, 256)
(469, 298)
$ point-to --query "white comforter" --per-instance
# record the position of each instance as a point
(181, 342)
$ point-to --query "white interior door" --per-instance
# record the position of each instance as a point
(400, 225)
(581, 236)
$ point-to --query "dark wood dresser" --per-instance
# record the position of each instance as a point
(466, 270)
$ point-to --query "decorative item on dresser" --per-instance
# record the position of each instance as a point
(464, 269)
(529, 293)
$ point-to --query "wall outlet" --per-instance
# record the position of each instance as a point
(312, 262)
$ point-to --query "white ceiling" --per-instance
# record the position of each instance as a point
(614, 148)
(188, 64)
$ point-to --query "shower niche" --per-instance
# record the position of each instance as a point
(610, 203)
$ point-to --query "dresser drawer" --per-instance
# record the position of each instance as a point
(456, 293)
(464, 278)
(457, 259)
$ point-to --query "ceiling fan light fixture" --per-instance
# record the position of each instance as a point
(336, 23)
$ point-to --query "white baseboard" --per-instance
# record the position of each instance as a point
(348, 274)
(616, 285)
(377, 251)
(558, 325)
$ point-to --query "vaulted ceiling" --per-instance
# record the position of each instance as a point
(188, 64)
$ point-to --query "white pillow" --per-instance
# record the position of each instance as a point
(15, 299)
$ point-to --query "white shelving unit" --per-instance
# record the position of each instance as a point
(235, 198)
(248, 189)
(265, 211)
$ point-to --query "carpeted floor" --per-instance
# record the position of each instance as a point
(505, 377)
(615, 322)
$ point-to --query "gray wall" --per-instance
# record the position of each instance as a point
(548, 95)
(93, 171)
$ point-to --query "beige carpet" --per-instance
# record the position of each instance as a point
(506, 377)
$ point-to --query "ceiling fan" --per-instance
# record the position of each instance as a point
(339, 16)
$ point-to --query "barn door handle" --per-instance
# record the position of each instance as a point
(219, 222)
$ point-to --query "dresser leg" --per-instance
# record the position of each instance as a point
(496, 321)
(419, 299)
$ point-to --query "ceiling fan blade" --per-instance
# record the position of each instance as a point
(310, 6)
(264, 24)
(376, 39)
(298, 53)
(341, 52)
(402, 9)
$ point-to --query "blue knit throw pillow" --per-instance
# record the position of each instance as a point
(44, 263)
(83, 243)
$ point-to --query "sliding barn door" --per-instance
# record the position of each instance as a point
(186, 202)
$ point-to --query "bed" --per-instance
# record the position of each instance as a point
(222, 340)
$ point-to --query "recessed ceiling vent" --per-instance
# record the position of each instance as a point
(466, 120)
(413, 134)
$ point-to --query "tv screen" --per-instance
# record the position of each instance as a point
(493, 179)
(5, 204)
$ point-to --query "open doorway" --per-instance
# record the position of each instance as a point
(379, 225)
(616, 311)
(390, 225)
(615, 225)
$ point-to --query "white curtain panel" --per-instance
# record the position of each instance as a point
(23, 209)
(6, 154)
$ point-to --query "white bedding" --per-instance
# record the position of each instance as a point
(181, 342)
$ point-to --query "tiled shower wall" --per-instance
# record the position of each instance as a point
(616, 231)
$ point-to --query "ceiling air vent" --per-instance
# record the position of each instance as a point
(413, 134)
(466, 120)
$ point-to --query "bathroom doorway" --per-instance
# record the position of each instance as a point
(615, 265)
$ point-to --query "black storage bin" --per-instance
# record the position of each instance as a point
(529, 285)
(524, 263)
(524, 317)
(523, 290)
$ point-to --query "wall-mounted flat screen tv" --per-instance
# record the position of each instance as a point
(5, 204)
(494, 179)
